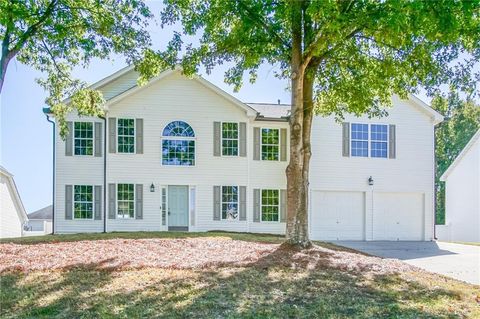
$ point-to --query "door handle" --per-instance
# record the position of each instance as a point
(168, 212)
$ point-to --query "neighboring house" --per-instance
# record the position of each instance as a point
(41, 220)
(181, 154)
(12, 213)
(462, 196)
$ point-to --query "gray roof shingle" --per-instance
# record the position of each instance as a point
(44, 213)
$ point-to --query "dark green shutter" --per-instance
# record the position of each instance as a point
(243, 139)
(139, 136)
(283, 144)
(68, 201)
(216, 202)
(392, 147)
(112, 135)
(256, 143)
(243, 203)
(256, 205)
(283, 205)
(98, 139)
(217, 139)
(346, 139)
(139, 201)
(112, 201)
(98, 202)
(69, 140)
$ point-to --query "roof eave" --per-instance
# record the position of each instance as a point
(457, 160)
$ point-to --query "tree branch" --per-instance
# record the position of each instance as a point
(34, 27)
(258, 19)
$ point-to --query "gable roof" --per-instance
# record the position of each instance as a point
(22, 214)
(262, 111)
(460, 156)
(427, 109)
(43, 213)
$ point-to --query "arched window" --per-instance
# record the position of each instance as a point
(178, 144)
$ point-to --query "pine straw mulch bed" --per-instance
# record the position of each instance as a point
(188, 253)
(218, 277)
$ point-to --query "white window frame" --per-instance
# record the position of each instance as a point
(222, 202)
(134, 135)
(117, 216)
(261, 143)
(369, 140)
(378, 141)
(73, 202)
(178, 138)
(230, 139)
(278, 206)
(93, 139)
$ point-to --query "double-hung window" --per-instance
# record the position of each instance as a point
(360, 140)
(126, 135)
(270, 144)
(126, 200)
(229, 202)
(83, 202)
(379, 140)
(270, 205)
(229, 139)
(83, 138)
(369, 140)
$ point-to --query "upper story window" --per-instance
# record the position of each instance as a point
(125, 201)
(230, 202)
(83, 138)
(270, 141)
(126, 136)
(83, 202)
(270, 205)
(376, 141)
(360, 140)
(379, 140)
(230, 139)
(178, 144)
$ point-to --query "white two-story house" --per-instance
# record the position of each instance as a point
(181, 154)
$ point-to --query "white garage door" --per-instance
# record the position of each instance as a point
(398, 216)
(337, 215)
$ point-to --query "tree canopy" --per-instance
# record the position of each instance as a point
(54, 36)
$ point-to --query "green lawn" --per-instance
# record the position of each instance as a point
(468, 243)
(266, 289)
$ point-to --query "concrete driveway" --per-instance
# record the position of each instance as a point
(457, 261)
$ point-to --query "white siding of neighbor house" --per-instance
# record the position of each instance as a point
(462, 203)
(410, 172)
(177, 98)
(10, 223)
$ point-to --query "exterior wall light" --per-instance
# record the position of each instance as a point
(152, 188)
(370, 181)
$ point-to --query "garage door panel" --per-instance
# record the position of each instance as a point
(338, 215)
(398, 216)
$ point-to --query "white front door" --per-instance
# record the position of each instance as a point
(337, 215)
(398, 216)
(177, 206)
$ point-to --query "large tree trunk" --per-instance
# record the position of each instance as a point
(297, 180)
(5, 58)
